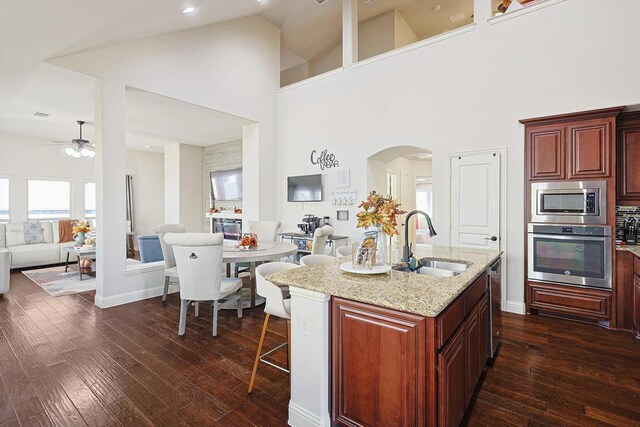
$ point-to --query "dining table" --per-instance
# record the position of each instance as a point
(267, 251)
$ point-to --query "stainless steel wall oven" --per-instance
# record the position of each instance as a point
(576, 255)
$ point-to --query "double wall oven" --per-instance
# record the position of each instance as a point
(566, 242)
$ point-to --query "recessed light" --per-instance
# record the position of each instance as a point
(436, 7)
(188, 10)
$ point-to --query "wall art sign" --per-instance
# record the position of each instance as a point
(324, 160)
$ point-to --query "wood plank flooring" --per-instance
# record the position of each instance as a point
(65, 362)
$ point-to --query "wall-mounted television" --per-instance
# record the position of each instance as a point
(226, 184)
(306, 188)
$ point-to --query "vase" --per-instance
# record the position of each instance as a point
(80, 238)
(381, 244)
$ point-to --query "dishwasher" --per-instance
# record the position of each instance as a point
(495, 306)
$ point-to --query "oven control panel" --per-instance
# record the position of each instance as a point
(590, 203)
(570, 230)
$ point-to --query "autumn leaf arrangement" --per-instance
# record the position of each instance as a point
(379, 210)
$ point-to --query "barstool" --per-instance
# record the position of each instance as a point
(275, 305)
(314, 259)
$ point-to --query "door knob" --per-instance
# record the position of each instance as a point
(492, 238)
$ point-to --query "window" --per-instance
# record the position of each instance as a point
(48, 199)
(4, 199)
(89, 199)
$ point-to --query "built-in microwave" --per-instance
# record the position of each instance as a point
(569, 202)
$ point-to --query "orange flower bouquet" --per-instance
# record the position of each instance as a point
(81, 227)
(379, 210)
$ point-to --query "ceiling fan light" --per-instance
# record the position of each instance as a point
(85, 152)
(69, 151)
(76, 154)
(92, 154)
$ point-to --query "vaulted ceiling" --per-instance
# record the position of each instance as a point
(34, 31)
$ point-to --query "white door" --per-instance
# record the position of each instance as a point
(475, 200)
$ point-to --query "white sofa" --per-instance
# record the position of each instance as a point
(21, 255)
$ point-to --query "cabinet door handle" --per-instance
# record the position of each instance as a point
(492, 238)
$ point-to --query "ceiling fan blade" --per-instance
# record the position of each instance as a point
(61, 142)
(54, 144)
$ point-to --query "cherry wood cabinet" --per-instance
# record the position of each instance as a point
(546, 152)
(390, 368)
(567, 147)
(636, 296)
(588, 303)
(452, 387)
(628, 139)
(589, 148)
(624, 287)
(387, 386)
(636, 304)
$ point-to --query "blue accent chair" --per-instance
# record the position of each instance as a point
(150, 250)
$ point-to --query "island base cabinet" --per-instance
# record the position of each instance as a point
(460, 365)
(390, 368)
(452, 387)
(378, 365)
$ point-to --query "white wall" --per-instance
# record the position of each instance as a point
(23, 157)
(376, 35)
(183, 186)
(231, 67)
(192, 211)
(403, 33)
(147, 169)
(464, 93)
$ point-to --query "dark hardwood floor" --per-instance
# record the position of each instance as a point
(64, 361)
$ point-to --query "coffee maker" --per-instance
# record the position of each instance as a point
(309, 224)
(630, 231)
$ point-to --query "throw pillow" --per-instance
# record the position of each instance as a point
(33, 233)
(65, 230)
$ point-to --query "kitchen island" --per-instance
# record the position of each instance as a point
(393, 349)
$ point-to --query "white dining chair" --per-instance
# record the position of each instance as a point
(267, 231)
(275, 305)
(320, 239)
(314, 259)
(199, 261)
(344, 251)
(170, 270)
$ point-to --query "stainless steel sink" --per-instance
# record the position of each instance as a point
(443, 265)
(437, 272)
(429, 271)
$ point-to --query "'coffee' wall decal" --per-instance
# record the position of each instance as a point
(324, 160)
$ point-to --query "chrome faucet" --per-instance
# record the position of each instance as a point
(406, 251)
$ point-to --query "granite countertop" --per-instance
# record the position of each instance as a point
(409, 292)
(634, 249)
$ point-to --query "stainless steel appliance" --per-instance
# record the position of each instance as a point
(309, 224)
(630, 231)
(577, 255)
(580, 202)
(495, 306)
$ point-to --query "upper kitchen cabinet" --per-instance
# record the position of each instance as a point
(628, 139)
(589, 148)
(545, 148)
(571, 146)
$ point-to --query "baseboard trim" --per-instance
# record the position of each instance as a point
(300, 417)
(127, 297)
(515, 307)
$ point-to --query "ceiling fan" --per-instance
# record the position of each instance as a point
(80, 147)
